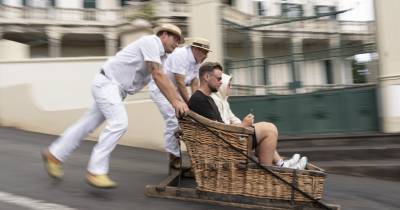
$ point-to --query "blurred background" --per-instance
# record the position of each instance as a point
(326, 72)
(309, 66)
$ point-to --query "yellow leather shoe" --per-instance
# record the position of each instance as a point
(100, 181)
(52, 165)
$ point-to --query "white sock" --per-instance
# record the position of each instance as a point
(280, 162)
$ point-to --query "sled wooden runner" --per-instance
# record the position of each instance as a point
(169, 188)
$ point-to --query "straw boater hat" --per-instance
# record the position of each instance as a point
(200, 43)
(170, 28)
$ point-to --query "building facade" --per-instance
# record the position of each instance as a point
(75, 28)
(261, 42)
(282, 43)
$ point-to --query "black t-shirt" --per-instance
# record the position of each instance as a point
(204, 106)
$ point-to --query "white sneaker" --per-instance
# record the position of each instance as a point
(290, 163)
(301, 165)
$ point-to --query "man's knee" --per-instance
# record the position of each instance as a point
(120, 126)
(268, 128)
(272, 128)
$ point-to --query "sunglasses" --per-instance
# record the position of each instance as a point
(218, 78)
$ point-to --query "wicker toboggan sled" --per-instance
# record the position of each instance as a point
(226, 174)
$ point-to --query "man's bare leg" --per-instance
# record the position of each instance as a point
(267, 138)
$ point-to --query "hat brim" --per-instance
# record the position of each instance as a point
(208, 50)
(181, 39)
(200, 47)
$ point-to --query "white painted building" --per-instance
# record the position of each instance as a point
(259, 51)
(254, 54)
(75, 28)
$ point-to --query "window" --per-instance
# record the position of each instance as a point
(329, 73)
(260, 9)
(360, 72)
(24, 3)
(318, 10)
(89, 4)
(36, 3)
(230, 2)
(291, 10)
(124, 2)
(52, 3)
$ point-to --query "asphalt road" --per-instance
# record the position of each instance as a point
(24, 185)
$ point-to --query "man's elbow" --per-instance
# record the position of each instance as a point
(157, 74)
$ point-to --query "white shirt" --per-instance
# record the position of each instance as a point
(128, 67)
(180, 61)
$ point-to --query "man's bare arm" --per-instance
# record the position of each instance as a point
(167, 88)
(180, 83)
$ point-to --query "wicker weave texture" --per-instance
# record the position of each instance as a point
(220, 169)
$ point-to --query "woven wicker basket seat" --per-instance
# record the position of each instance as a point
(219, 168)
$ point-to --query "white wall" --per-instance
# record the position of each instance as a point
(326, 2)
(70, 4)
(76, 51)
(38, 3)
(245, 6)
(129, 37)
(389, 61)
(108, 4)
(273, 8)
(280, 74)
(241, 76)
(313, 73)
(56, 83)
(361, 10)
(15, 50)
(12, 2)
(48, 95)
(208, 26)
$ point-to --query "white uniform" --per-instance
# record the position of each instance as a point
(182, 62)
(125, 73)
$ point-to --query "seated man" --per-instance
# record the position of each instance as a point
(266, 134)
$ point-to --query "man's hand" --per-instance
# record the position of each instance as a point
(180, 83)
(181, 109)
(248, 120)
(167, 88)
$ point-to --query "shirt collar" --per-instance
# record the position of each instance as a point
(160, 46)
(191, 56)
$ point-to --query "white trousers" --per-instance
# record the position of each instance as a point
(108, 106)
(171, 123)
